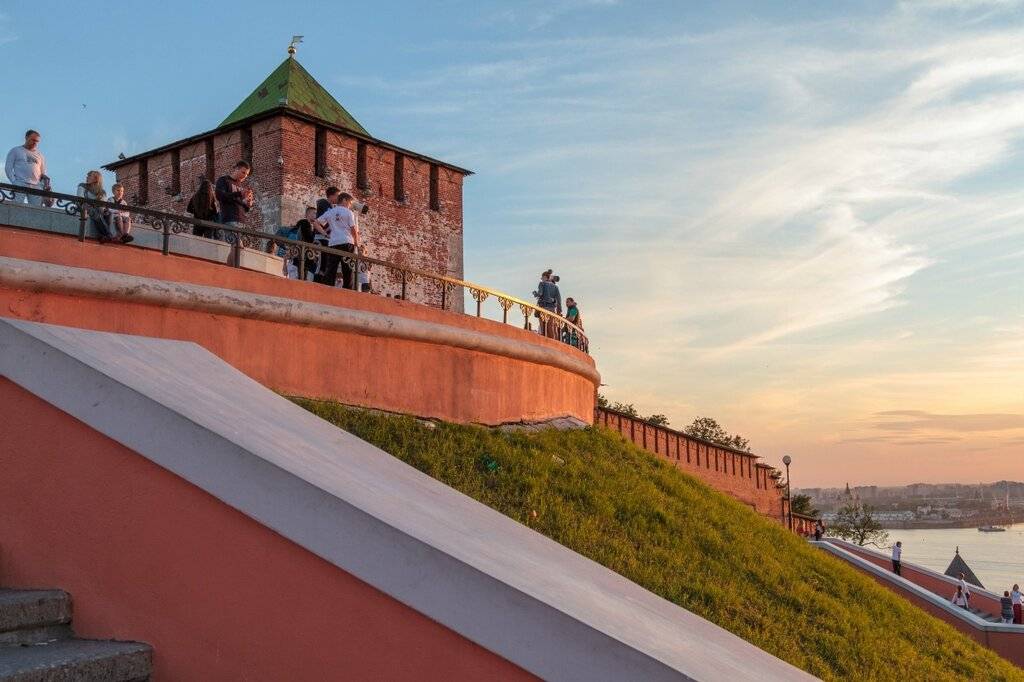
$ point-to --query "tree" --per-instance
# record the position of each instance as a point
(628, 409)
(707, 428)
(601, 400)
(657, 420)
(801, 504)
(855, 523)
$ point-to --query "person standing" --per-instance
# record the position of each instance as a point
(1017, 599)
(99, 219)
(323, 205)
(234, 198)
(964, 587)
(344, 236)
(897, 557)
(1006, 608)
(26, 167)
(572, 314)
(203, 206)
(549, 298)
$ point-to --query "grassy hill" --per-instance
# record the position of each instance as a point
(616, 504)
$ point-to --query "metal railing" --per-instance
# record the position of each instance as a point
(167, 224)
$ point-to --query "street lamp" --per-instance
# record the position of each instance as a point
(787, 460)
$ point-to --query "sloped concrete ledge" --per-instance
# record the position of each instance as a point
(36, 276)
(492, 580)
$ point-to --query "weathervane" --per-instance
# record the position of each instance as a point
(291, 46)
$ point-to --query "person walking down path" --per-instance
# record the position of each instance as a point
(234, 198)
(1006, 608)
(959, 598)
(1017, 600)
(965, 587)
(120, 217)
(897, 558)
(99, 218)
(26, 167)
(203, 206)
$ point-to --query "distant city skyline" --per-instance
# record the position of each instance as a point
(801, 219)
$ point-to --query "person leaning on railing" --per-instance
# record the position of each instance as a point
(234, 198)
(203, 206)
(572, 314)
(344, 236)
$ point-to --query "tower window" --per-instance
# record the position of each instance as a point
(210, 173)
(247, 145)
(175, 172)
(320, 152)
(399, 177)
(435, 200)
(362, 181)
(143, 182)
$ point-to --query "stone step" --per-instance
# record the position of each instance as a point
(984, 615)
(34, 616)
(74, 660)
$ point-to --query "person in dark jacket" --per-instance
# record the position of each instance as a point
(203, 206)
(234, 198)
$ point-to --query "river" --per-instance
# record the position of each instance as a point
(996, 558)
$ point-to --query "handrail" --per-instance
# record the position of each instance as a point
(173, 223)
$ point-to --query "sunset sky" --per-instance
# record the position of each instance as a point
(803, 219)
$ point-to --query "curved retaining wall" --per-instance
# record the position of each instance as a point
(300, 338)
(730, 471)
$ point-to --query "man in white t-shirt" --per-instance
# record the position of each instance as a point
(26, 167)
(897, 557)
(964, 586)
(344, 230)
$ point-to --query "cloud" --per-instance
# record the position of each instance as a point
(921, 421)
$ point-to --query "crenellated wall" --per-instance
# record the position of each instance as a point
(728, 470)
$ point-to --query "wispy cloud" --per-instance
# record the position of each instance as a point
(921, 421)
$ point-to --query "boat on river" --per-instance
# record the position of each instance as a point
(991, 529)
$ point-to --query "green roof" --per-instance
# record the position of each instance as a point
(290, 86)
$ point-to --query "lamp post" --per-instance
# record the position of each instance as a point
(787, 460)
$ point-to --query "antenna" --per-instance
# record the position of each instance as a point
(291, 46)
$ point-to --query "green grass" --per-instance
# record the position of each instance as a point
(666, 531)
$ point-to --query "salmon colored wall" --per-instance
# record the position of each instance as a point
(735, 473)
(934, 584)
(148, 556)
(392, 374)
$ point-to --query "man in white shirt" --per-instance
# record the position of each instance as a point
(964, 587)
(897, 557)
(26, 167)
(344, 235)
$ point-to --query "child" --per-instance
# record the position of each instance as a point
(120, 218)
(1006, 608)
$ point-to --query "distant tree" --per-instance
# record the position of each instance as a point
(628, 409)
(657, 420)
(855, 523)
(601, 400)
(801, 504)
(709, 429)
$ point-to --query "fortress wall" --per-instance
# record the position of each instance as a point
(727, 470)
(300, 338)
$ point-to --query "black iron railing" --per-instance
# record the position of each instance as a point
(168, 224)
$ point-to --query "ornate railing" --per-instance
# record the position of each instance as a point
(168, 224)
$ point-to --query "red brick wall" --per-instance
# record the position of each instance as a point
(735, 473)
(406, 232)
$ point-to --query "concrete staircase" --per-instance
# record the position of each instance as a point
(984, 615)
(38, 645)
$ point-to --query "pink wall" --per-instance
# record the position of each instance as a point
(733, 472)
(394, 374)
(148, 556)
(1009, 645)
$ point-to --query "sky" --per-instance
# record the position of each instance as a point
(803, 219)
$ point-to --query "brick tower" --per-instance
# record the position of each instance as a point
(300, 141)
